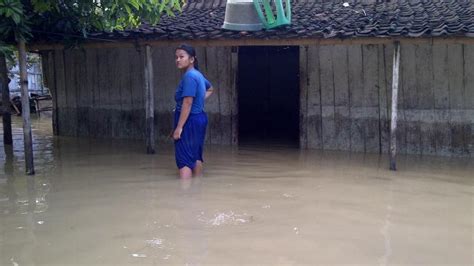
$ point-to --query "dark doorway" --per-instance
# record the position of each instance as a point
(268, 89)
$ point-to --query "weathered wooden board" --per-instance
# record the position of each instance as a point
(456, 97)
(136, 73)
(234, 96)
(91, 85)
(342, 122)
(469, 96)
(100, 95)
(212, 105)
(61, 91)
(384, 83)
(371, 98)
(394, 106)
(115, 99)
(440, 76)
(124, 78)
(426, 99)
(356, 88)
(468, 76)
(124, 83)
(441, 97)
(455, 76)
(304, 86)
(83, 95)
(225, 106)
(71, 93)
(408, 99)
(327, 97)
(166, 81)
(50, 82)
(314, 129)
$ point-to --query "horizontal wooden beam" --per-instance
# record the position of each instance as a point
(257, 42)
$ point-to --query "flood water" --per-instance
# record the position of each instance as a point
(98, 202)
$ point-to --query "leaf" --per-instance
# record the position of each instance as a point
(16, 18)
(129, 11)
(8, 51)
(41, 5)
(135, 4)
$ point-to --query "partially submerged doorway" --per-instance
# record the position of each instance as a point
(268, 95)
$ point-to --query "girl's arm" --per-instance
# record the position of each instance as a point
(209, 92)
(185, 111)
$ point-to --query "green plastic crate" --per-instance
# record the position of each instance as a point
(273, 16)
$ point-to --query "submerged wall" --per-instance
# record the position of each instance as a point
(346, 98)
(345, 95)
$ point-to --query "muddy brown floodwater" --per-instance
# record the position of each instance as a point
(104, 202)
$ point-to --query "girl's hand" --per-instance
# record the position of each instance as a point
(177, 133)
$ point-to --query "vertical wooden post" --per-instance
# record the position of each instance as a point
(6, 116)
(393, 123)
(234, 65)
(25, 105)
(149, 102)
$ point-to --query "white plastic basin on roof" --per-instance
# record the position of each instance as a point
(241, 15)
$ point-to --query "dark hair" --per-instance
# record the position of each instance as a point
(191, 52)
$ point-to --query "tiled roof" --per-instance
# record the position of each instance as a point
(203, 19)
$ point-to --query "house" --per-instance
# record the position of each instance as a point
(34, 80)
(324, 82)
(35, 84)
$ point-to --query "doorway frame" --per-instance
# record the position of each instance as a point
(302, 92)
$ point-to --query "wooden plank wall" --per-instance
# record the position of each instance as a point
(96, 92)
(346, 90)
(99, 92)
(344, 105)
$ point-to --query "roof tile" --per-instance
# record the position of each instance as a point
(203, 19)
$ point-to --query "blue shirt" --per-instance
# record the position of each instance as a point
(195, 85)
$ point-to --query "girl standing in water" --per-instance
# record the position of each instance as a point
(190, 120)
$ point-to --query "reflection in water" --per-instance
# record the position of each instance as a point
(193, 241)
(104, 202)
(10, 191)
(385, 230)
(24, 199)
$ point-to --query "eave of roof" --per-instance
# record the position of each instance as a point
(202, 21)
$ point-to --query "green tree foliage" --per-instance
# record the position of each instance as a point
(24, 19)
